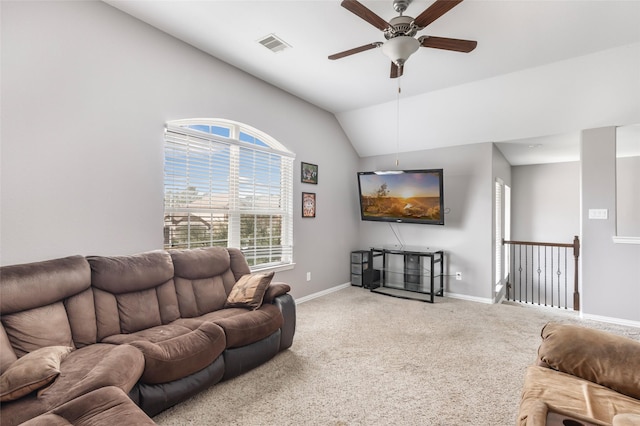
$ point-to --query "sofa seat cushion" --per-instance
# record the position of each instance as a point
(83, 370)
(174, 351)
(568, 394)
(241, 326)
(107, 406)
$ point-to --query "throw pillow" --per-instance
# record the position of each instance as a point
(249, 291)
(33, 371)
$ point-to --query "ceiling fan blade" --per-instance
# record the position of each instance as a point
(363, 12)
(445, 43)
(433, 12)
(355, 50)
(396, 71)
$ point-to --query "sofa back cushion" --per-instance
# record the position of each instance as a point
(46, 304)
(204, 277)
(133, 292)
(239, 265)
(7, 354)
(38, 328)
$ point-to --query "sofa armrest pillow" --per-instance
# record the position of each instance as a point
(181, 356)
(599, 357)
(33, 371)
(249, 291)
(274, 290)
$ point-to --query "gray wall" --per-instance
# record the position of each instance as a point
(550, 202)
(467, 234)
(610, 271)
(545, 202)
(86, 91)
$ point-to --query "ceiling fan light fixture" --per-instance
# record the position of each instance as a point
(399, 48)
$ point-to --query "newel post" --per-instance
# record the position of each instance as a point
(576, 255)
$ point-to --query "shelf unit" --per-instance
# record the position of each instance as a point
(359, 264)
(412, 280)
(361, 273)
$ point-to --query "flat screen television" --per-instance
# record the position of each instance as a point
(408, 196)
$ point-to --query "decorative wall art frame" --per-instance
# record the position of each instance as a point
(309, 173)
(308, 204)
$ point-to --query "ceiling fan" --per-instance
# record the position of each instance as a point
(400, 32)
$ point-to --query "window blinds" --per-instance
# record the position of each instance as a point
(228, 192)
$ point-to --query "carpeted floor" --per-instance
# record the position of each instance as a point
(360, 358)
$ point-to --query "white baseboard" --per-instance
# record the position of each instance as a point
(322, 293)
(347, 285)
(599, 318)
(610, 320)
(469, 298)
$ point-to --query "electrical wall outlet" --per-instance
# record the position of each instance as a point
(308, 276)
(459, 276)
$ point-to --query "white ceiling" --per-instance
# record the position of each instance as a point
(522, 86)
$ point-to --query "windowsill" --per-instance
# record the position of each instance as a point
(277, 268)
(626, 240)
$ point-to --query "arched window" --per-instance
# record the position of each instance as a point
(228, 184)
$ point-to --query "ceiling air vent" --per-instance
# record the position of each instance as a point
(273, 43)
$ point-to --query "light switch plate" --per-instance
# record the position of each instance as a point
(598, 213)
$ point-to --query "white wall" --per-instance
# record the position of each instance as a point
(557, 98)
(86, 91)
(609, 271)
(466, 236)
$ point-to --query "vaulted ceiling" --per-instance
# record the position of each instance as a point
(542, 70)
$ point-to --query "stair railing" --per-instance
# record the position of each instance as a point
(532, 269)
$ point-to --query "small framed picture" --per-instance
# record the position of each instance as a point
(309, 173)
(308, 204)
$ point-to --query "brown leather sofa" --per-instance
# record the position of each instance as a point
(157, 326)
(582, 377)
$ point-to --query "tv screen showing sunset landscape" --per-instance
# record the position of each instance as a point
(414, 196)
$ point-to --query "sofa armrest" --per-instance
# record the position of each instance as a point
(274, 290)
(599, 357)
(287, 306)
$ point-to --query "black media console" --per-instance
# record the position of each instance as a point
(407, 272)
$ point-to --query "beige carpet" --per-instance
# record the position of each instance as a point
(360, 358)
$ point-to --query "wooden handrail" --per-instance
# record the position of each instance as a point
(531, 243)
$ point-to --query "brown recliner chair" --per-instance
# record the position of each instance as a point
(46, 307)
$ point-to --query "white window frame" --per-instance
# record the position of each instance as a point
(179, 137)
(502, 228)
